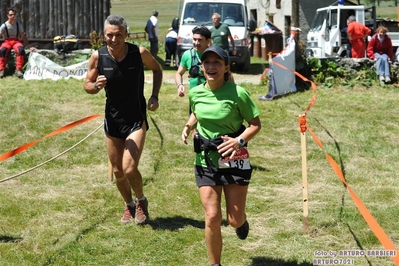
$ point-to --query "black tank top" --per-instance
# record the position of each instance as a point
(125, 85)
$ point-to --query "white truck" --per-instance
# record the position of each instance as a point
(197, 12)
(327, 35)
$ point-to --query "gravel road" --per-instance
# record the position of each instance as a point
(169, 77)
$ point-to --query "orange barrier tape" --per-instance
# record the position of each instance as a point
(368, 217)
(302, 123)
(314, 88)
(61, 129)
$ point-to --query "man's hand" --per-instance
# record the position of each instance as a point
(152, 104)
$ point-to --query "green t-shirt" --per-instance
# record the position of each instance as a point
(220, 112)
(187, 62)
(220, 36)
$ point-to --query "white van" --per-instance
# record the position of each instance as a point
(196, 12)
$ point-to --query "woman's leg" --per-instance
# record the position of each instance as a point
(385, 63)
(210, 198)
(236, 197)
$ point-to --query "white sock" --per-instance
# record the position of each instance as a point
(131, 204)
(141, 199)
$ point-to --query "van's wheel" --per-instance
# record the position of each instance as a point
(244, 67)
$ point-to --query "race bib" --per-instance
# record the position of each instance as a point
(240, 160)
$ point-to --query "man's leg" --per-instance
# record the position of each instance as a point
(4, 49)
(20, 54)
(116, 149)
(173, 49)
(156, 48)
(133, 149)
(168, 52)
(153, 47)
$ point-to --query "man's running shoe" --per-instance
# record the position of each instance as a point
(128, 216)
(141, 211)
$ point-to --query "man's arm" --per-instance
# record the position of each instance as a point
(179, 81)
(1, 30)
(24, 39)
(151, 63)
(233, 44)
(349, 32)
(93, 82)
(153, 31)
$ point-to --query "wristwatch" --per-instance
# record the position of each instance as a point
(241, 141)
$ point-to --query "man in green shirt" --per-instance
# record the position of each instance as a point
(221, 34)
(191, 61)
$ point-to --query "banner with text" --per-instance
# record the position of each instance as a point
(40, 67)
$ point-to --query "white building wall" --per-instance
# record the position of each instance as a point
(266, 10)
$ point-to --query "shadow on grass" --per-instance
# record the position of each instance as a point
(260, 168)
(260, 261)
(175, 223)
(10, 239)
(178, 222)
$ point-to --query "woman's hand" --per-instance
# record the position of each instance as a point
(185, 133)
(228, 147)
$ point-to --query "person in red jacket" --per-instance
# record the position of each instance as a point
(380, 49)
(357, 32)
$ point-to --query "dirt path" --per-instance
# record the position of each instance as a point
(169, 77)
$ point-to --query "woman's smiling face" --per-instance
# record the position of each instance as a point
(214, 67)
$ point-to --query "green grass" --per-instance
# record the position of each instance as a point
(138, 12)
(67, 212)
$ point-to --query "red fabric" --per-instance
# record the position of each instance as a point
(12, 43)
(384, 47)
(357, 32)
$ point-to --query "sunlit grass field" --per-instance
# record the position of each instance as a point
(67, 212)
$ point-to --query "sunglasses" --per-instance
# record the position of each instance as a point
(199, 27)
(11, 15)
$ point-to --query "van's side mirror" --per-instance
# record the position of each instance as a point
(252, 25)
(175, 23)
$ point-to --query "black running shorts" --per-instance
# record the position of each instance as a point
(121, 130)
(205, 178)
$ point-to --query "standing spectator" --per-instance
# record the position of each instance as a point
(344, 35)
(357, 33)
(221, 34)
(152, 30)
(222, 162)
(11, 30)
(380, 49)
(345, 38)
(118, 68)
(171, 46)
(191, 61)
